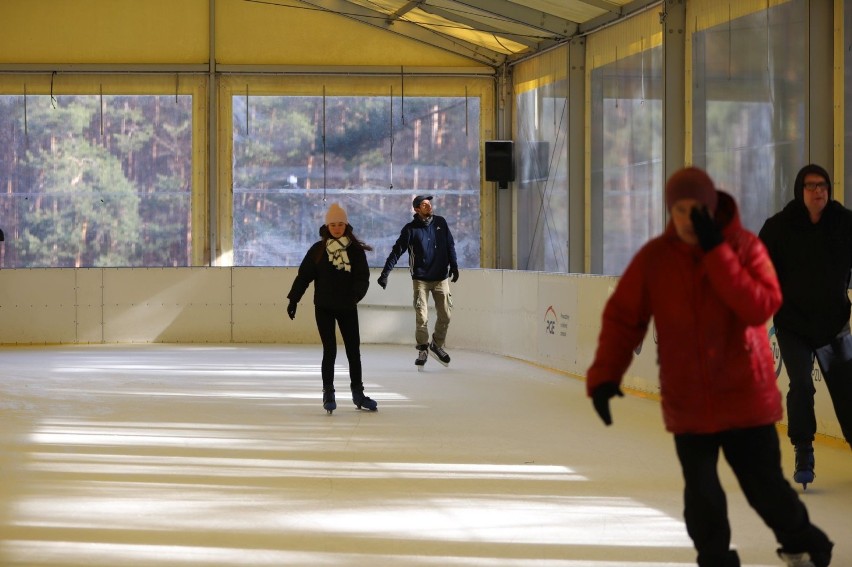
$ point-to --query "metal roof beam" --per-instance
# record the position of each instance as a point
(625, 11)
(479, 26)
(412, 31)
(409, 6)
(524, 15)
(603, 5)
(103, 68)
(353, 70)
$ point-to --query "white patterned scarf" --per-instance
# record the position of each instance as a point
(336, 249)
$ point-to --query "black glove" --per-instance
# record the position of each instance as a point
(383, 281)
(454, 272)
(291, 309)
(709, 235)
(600, 399)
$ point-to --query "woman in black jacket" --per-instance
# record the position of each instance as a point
(337, 265)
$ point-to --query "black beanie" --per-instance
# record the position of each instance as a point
(799, 185)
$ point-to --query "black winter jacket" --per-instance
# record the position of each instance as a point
(431, 249)
(333, 288)
(813, 262)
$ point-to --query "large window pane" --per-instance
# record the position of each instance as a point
(295, 155)
(748, 112)
(95, 181)
(626, 176)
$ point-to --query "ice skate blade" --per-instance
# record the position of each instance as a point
(804, 478)
(421, 368)
(435, 356)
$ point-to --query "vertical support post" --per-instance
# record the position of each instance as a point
(506, 257)
(673, 21)
(820, 86)
(576, 156)
(212, 144)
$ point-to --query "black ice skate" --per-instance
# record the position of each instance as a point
(328, 402)
(439, 353)
(363, 402)
(422, 357)
(804, 473)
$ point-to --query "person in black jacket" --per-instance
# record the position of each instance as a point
(337, 265)
(810, 243)
(431, 257)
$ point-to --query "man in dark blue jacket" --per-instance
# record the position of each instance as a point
(432, 258)
(810, 243)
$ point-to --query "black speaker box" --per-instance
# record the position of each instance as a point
(500, 161)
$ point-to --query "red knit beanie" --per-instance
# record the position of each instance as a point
(691, 183)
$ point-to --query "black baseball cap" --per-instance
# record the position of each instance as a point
(419, 199)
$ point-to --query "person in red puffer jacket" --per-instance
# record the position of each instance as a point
(710, 287)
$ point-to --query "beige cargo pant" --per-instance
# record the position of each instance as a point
(443, 306)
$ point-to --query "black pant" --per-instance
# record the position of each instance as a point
(754, 455)
(347, 320)
(835, 363)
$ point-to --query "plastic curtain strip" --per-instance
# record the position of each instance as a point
(26, 129)
(324, 172)
(390, 185)
(101, 107)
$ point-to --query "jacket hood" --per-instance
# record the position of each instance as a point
(799, 184)
(727, 213)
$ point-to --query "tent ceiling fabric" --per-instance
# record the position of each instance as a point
(493, 32)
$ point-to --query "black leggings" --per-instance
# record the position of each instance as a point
(347, 320)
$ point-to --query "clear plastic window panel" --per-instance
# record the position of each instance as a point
(542, 178)
(627, 149)
(749, 102)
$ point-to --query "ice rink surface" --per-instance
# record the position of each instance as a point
(197, 455)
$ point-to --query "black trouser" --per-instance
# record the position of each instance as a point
(835, 363)
(347, 320)
(754, 455)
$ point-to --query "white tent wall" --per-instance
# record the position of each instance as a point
(551, 320)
